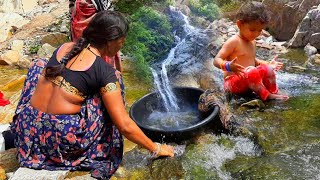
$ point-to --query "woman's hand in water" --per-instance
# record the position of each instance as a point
(166, 150)
(162, 150)
(235, 67)
(275, 64)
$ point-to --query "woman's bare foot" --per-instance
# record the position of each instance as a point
(278, 97)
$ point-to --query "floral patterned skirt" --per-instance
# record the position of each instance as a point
(84, 141)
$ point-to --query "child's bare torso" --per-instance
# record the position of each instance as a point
(244, 51)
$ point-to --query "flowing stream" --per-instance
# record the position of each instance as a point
(282, 143)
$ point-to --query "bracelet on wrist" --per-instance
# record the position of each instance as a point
(223, 66)
(228, 68)
(155, 154)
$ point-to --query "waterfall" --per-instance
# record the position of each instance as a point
(163, 84)
(157, 84)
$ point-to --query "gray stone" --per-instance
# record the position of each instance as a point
(315, 40)
(17, 45)
(24, 62)
(310, 50)
(8, 20)
(10, 57)
(254, 103)
(316, 59)
(18, 6)
(46, 51)
(31, 174)
(308, 30)
(55, 39)
(286, 16)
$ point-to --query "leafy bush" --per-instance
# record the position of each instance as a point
(131, 6)
(232, 6)
(206, 8)
(34, 48)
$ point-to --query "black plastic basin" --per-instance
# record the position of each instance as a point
(187, 96)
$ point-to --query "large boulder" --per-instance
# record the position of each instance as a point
(286, 16)
(8, 21)
(308, 30)
(18, 6)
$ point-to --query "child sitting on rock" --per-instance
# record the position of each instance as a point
(243, 72)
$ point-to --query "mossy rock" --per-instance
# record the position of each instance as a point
(8, 161)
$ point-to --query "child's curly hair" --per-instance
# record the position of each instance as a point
(253, 11)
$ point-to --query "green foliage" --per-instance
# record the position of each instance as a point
(131, 6)
(205, 8)
(34, 48)
(149, 39)
(231, 6)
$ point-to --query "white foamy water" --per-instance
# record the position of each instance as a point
(296, 84)
(212, 156)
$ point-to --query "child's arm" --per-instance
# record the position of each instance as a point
(222, 57)
(274, 63)
(259, 62)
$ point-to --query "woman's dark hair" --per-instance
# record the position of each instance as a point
(253, 11)
(105, 26)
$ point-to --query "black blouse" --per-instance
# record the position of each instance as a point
(90, 81)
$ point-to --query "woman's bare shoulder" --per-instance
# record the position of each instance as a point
(64, 49)
(67, 46)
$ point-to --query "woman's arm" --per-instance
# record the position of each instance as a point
(113, 101)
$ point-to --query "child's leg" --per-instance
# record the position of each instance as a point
(263, 82)
(236, 84)
(268, 78)
(254, 80)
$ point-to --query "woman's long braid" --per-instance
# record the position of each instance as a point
(76, 49)
(54, 71)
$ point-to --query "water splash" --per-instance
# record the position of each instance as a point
(212, 155)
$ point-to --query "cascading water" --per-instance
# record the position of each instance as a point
(174, 117)
(163, 84)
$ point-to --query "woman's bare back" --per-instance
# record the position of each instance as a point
(52, 99)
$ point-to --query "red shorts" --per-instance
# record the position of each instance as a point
(260, 79)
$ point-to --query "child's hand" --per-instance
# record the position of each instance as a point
(235, 67)
(275, 64)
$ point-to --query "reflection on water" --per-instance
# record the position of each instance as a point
(9, 73)
(173, 120)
